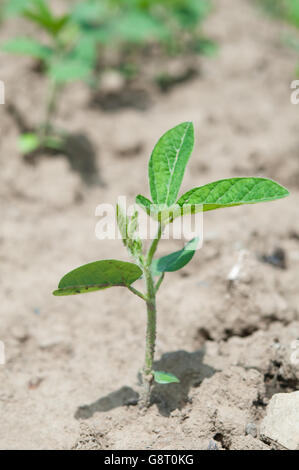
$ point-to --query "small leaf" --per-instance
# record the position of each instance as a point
(26, 46)
(144, 203)
(98, 275)
(165, 377)
(176, 260)
(122, 223)
(54, 142)
(128, 227)
(168, 161)
(159, 212)
(28, 143)
(39, 12)
(232, 192)
(133, 226)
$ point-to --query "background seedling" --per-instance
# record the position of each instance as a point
(288, 11)
(74, 44)
(166, 170)
(67, 54)
(132, 28)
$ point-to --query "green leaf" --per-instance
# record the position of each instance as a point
(28, 143)
(138, 27)
(159, 212)
(122, 223)
(176, 260)
(15, 7)
(54, 142)
(89, 11)
(68, 70)
(168, 161)
(128, 227)
(85, 50)
(165, 377)
(98, 275)
(232, 192)
(205, 46)
(26, 46)
(39, 12)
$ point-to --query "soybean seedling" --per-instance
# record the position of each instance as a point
(165, 172)
(132, 27)
(288, 11)
(66, 54)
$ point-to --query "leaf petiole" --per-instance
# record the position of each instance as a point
(137, 292)
(159, 282)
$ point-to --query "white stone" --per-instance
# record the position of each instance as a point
(281, 423)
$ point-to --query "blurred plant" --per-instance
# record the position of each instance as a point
(72, 44)
(283, 9)
(131, 25)
(66, 55)
(286, 10)
(139, 21)
(166, 170)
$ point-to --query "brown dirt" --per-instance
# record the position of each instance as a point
(70, 380)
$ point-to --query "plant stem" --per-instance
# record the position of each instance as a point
(154, 245)
(159, 282)
(150, 337)
(151, 320)
(50, 110)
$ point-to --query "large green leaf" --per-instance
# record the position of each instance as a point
(168, 161)
(27, 46)
(232, 192)
(176, 260)
(98, 275)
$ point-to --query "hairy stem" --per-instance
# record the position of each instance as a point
(150, 337)
(151, 321)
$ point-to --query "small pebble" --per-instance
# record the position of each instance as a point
(276, 259)
(251, 429)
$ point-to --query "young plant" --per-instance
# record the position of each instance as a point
(131, 26)
(288, 11)
(166, 170)
(66, 55)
